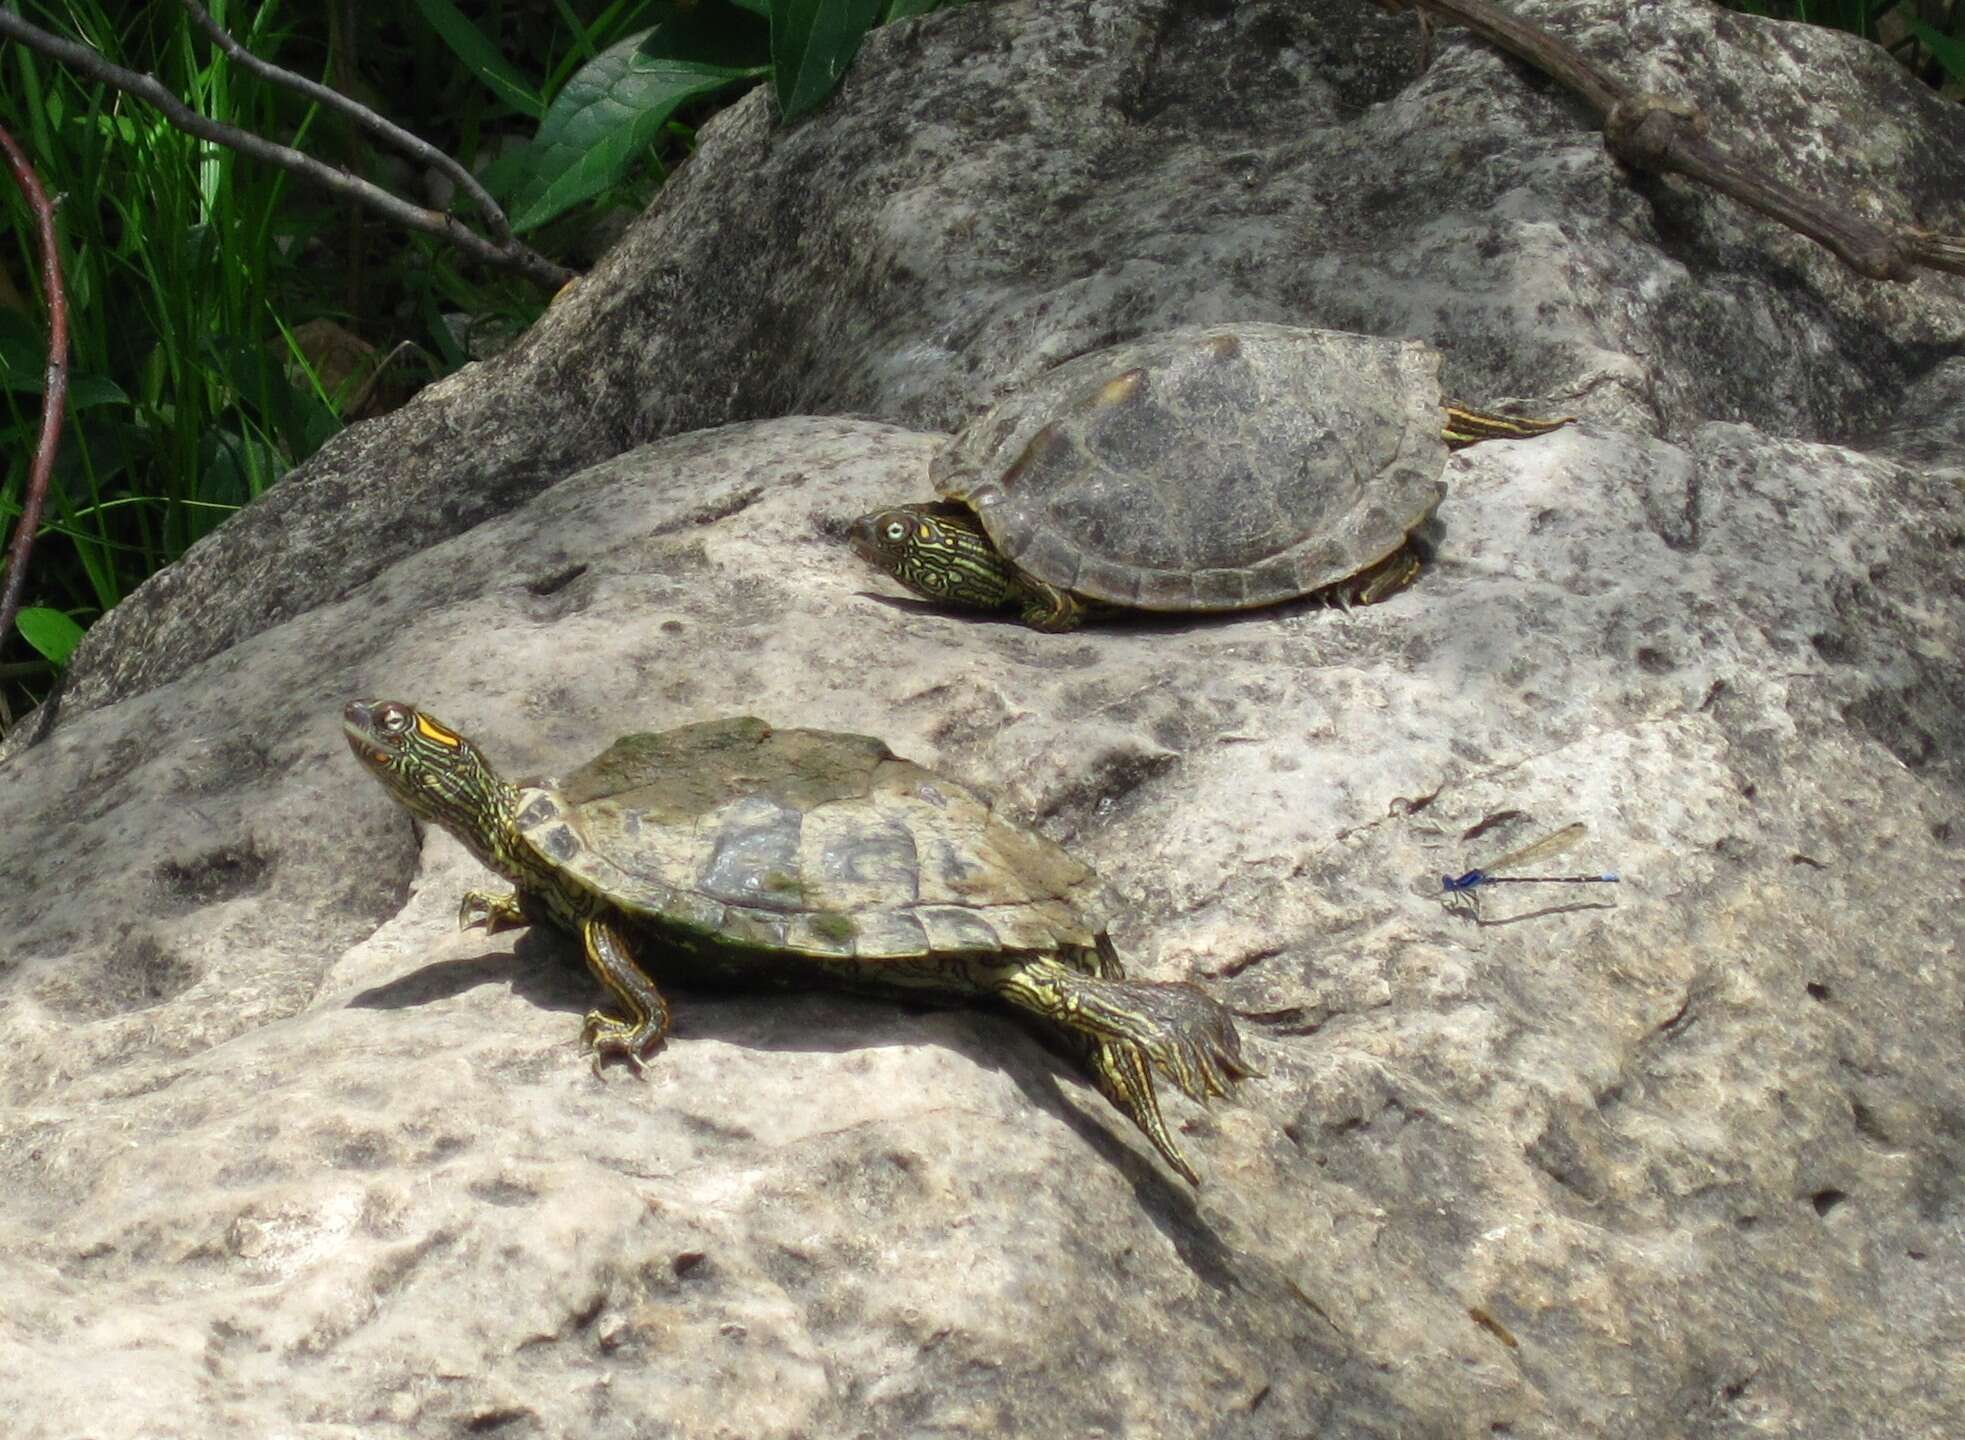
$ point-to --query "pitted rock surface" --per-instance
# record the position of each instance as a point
(285, 1153)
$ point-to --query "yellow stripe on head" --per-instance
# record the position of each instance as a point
(431, 730)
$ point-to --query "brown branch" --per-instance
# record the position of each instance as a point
(54, 391)
(508, 254)
(390, 133)
(1665, 136)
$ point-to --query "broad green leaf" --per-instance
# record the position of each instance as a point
(908, 9)
(481, 57)
(49, 631)
(603, 121)
(812, 43)
(24, 370)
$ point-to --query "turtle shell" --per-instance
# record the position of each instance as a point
(1208, 468)
(809, 843)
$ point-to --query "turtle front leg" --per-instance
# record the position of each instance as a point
(612, 961)
(492, 910)
(1042, 606)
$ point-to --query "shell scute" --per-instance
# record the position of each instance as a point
(1287, 457)
(814, 845)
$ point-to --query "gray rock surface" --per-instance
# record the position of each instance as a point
(286, 1153)
(282, 1153)
(1002, 186)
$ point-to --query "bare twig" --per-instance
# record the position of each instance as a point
(390, 133)
(54, 392)
(507, 253)
(1666, 136)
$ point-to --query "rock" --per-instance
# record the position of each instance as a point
(295, 1149)
(283, 1153)
(1000, 187)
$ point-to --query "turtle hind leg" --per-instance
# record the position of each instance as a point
(1376, 582)
(1464, 427)
(1187, 1036)
(1122, 1075)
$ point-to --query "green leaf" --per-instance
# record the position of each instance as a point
(812, 43)
(908, 9)
(481, 57)
(1950, 52)
(603, 121)
(712, 32)
(24, 368)
(49, 631)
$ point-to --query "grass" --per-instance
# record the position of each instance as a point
(195, 277)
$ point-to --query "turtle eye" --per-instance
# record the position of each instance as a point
(896, 531)
(393, 719)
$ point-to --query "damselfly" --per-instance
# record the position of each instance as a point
(1492, 872)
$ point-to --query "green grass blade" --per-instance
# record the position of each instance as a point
(481, 57)
(1950, 53)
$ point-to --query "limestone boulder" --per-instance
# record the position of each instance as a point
(282, 1152)
(290, 1151)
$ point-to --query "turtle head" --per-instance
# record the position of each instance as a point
(939, 551)
(434, 773)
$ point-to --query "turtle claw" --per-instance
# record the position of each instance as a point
(612, 1039)
(493, 911)
(636, 1066)
(1192, 1041)
(1121, 1071)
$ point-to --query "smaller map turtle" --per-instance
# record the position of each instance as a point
(732, 852)
(1204, 469)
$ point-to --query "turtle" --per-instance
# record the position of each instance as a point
(731, 851)
(1203, 469)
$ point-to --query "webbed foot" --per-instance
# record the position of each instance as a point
(1197, 1047)
(1045, 607)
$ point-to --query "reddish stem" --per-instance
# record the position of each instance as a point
(54, 398)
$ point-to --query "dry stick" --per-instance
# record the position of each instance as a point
(509, 254)
(54, 391)
(1663, 135)
(414, 146)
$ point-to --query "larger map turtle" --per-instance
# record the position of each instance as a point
(733, 852)
(1203, 469)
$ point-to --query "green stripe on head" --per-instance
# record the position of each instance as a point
(433, 772)
(938, 551)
